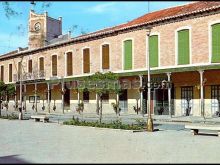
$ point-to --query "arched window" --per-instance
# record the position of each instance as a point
(69, 64)
(153, 50)
(183, 47)
(86, 60)
(127, 54)
(105, 56)
(10, 73)
(215, 42)
(2, 73)
(30, 67)
(54, 65)
(41, 63)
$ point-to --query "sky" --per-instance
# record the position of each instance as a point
(89, 16)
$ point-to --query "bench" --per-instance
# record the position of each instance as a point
(38, 117)
(201, 126)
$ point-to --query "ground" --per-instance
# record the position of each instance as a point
(37, 142)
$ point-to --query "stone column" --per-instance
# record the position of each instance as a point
(169, 93)
(201, 93)
(15, 96)
(62, 88)
(35, 94)
(48, 97)
(25, 97)
(141, 94)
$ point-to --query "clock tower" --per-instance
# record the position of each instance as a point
(42, 29)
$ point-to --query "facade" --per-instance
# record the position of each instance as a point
(184, 50)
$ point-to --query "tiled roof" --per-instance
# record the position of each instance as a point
(153, 17)
(162, 15)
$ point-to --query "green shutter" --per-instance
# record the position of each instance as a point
(215, 43)
(183, 47)
(128, 55)
(153, 50)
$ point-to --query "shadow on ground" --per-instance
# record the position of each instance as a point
(12, 159)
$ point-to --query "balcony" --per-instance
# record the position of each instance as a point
(37, 75)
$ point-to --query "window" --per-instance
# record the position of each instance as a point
(215, 98)
(86, 60)
(153, 50)
(85, 96)
(186, 99)
(127, 54)
(10, 73)
(69, 64)
(215, 43)
(183, 47)
(54, 65)
(41, 63)
(2, 73)
(105, 56)
(19, 70)
(30, 68)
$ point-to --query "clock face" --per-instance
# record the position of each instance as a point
(37, 26)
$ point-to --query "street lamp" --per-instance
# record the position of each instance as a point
(150, 126)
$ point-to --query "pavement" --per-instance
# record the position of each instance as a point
(125, 118)
(26, 141)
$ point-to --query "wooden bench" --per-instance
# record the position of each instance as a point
(201, 126)
(38, 117)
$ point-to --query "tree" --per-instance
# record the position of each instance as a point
(6, 91)
(2, 90)
(102, 83)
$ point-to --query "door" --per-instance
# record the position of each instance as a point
(215, 99)
(123, 101)
(161, 102)
(187, 100)
(67, 98)
(145, 94)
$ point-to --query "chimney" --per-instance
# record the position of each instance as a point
(46, 13)
(69, 34)
(19, 49)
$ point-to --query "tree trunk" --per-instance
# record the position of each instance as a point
(117, 103)
(100, 114)
(97, 105)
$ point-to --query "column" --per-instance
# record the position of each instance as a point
(62, 88)
(15, 96)
(35, 96)
(141, 94)
(25, 98)
(48, 97)
(201, 93)
(169, 93)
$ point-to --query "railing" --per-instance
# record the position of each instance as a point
(37, 75)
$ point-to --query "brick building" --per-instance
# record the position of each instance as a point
(184, 49)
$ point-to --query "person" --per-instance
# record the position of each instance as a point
(20, 110)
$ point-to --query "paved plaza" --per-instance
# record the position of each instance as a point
(27, 141)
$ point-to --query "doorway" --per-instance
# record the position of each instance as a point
(66, 98)
(187, 100)
(123, 101)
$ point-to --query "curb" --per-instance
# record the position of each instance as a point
(100, 128)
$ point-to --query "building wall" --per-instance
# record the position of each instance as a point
(200, 50)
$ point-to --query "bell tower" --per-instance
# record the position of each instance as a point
(42, 29)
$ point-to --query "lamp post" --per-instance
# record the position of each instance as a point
(20, 103)
(150, 126)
